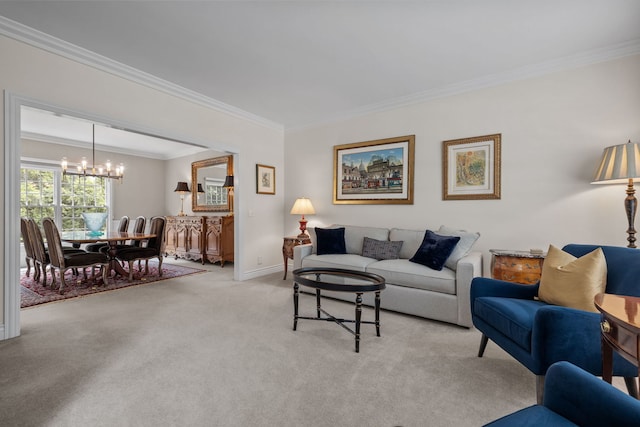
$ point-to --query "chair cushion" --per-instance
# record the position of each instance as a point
(573, 282)
(510, 316)
(132, 253)
(85, 258)
(434, 250)
(95, 247)
(380, 249)
(533, 416)
(330, 241)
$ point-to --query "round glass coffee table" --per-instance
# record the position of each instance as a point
(339, 280)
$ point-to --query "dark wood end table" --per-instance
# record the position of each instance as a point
(620, 331)
(340, 280)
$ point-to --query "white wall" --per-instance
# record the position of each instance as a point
(34, 73)
(553, 128)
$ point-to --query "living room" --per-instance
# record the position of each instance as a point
(555, 119)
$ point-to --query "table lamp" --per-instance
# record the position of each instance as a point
(228, 184)
(620, 164)
(182, 188)
(303, 207)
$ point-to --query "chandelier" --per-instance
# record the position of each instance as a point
(99, 171)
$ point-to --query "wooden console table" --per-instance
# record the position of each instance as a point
(287, 249)
(620, 330)
(516, 266)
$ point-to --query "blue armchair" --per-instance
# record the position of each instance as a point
(575, 397)
(538, 334)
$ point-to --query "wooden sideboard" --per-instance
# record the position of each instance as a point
(200, 238)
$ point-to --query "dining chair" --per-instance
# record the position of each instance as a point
(152, 250)
(41, 258)
(28, 249)
(63, 262)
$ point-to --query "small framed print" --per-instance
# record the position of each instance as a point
(265, 179)
(471, 168)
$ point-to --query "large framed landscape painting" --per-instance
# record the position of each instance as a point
(471, 168)
(374, 172)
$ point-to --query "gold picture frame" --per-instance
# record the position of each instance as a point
(471, 168)
(374, 172)
(265, 179)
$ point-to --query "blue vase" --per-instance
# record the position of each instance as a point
(94, 222)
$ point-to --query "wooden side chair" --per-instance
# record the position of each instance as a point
(63, 262)
(28, 248)
(152, 250)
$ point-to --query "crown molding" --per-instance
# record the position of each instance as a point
(594, 56)
(33, 37)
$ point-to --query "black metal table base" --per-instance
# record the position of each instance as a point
(330, 318)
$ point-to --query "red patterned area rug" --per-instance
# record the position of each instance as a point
(32, 293)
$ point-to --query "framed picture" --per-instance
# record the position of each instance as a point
(374, 172)
(265, 179)
(471, 168)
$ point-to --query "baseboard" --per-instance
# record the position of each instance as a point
(259, 272)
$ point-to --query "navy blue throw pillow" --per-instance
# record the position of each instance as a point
(434, 250)
(330, 241)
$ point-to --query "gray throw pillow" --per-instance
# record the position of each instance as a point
(462, 249)
(380, 249)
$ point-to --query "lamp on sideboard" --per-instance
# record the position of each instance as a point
(228, 184)
(620, 164)
(182, 188)
(200, 191)
(303, 207)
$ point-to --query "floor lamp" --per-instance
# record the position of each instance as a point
(620, 164)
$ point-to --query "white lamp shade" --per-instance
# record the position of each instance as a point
(302, 206)
(619, 164)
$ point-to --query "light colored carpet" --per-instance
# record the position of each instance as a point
(203, 350)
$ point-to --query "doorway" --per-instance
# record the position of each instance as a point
(14, 105)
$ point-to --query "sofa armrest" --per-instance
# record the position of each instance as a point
(300, 252)
(468, 267)
(586, 400)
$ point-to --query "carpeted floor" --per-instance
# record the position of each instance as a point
(34, 293)
(204, 350)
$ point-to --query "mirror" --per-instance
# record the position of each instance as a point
(210, 175)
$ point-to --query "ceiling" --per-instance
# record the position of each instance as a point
(296, 63)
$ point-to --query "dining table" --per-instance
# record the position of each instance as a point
(112, 238)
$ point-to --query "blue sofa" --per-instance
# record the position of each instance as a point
(575, 397)
(538, 334)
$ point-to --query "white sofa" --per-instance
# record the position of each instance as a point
(411, 288)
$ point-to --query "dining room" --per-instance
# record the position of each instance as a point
(74, 170)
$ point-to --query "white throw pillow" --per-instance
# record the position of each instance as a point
(462, 249)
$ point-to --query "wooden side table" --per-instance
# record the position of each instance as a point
(287, 249)
(521, 267)
(620, 331)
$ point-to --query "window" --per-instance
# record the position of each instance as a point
(215, 193)
(45, 192)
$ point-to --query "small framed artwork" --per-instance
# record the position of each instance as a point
(471, 168)
(374, 172)
(265, 179)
